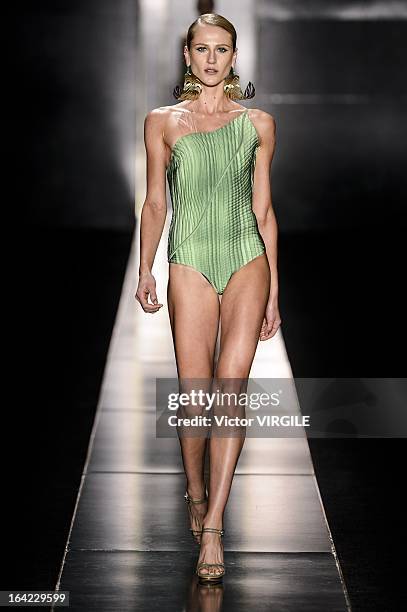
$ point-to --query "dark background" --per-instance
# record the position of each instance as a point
(339, 191)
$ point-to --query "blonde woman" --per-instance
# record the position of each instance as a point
(222, 250)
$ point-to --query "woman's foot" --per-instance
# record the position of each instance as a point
(197, 506)
(211, 551)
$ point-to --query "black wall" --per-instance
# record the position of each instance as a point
(341, 119)
(75, 70)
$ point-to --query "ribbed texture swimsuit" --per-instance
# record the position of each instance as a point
(210, 175)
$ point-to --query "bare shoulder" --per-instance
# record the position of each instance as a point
(264, 123)
(156, 119)
(159, 117)
(162, 121)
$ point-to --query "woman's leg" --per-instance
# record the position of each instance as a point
(243, 305)
(193, 307)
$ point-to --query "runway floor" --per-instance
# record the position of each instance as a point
(130, 548)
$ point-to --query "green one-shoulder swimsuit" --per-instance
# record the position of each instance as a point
(210, 175)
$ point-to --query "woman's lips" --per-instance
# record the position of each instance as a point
(211, 70)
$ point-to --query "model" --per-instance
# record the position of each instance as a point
(222, 250)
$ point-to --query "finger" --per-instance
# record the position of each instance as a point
(142, 296)
(274, 329)
(146, 292)
(150, 308)
(271, 330)
(153, 296)
(143, 299)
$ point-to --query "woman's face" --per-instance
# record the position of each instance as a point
(211, 54)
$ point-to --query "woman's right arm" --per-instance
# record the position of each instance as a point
(154, 210)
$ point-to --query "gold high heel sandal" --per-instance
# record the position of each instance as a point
(189, 501)
(207, 578)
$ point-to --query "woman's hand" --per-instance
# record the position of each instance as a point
(272, 320)
(146, 287)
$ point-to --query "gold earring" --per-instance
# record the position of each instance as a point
(192, 87)
(232, 88)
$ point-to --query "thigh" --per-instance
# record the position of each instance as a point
(242, 311)
(193, 307)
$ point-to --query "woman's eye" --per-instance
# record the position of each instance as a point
(223, 49)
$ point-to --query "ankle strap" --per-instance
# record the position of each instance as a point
(189, 500)
(213, 530)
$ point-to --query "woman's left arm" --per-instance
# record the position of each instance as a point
(263, 209)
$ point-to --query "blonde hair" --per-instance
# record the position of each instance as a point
(211, 19)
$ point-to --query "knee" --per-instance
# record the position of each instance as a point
(230, 400)
(234, 371)
(235, 360)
